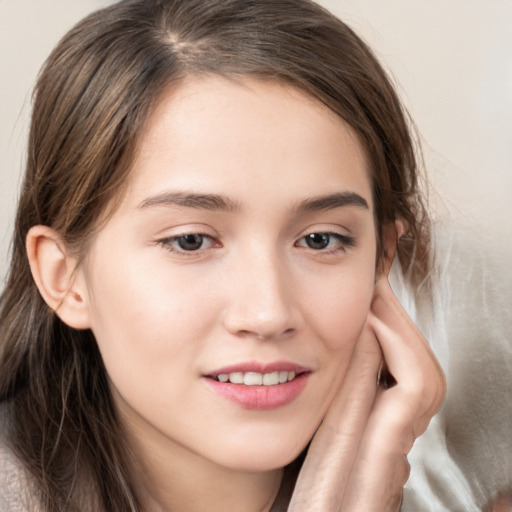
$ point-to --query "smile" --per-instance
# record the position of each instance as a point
(259, 386)
(257, 379)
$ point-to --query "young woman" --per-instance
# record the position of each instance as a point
(197, 315)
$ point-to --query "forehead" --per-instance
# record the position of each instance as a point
(236, 136)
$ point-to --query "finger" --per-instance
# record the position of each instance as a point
(387, 307)
(406, 351)
(334, 448)
(420, 382)
(399, 414)
(359, 385)
(400, 352)
(398, 417)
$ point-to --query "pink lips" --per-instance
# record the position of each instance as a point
(260, 397)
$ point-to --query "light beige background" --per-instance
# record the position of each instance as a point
(451, 59)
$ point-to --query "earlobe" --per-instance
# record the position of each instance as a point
(391, 233)
(53, 270)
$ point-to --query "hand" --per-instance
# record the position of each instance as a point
(357, 460)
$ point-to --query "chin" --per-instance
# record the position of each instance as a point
(265, 456)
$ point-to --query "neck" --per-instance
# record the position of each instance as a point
(192, 484)
(170, 478)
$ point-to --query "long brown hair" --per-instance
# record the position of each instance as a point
(91, 101)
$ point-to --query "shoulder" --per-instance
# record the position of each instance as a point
(15, 485)
(18, 489)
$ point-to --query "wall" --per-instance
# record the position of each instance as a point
(452, 61)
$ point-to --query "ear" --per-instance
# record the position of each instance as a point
(53, 270)
(391, 233)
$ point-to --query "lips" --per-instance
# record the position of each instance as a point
(259, 386)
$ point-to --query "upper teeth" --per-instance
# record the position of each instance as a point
(256, 379)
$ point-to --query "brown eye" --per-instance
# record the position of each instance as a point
(326, 242)
(188, 243)
(318, 240)
(191, 242)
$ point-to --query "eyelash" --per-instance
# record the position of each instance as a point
(343, 242)
(168, 243)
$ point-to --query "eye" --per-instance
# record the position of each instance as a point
(329, 242)
(189, 242)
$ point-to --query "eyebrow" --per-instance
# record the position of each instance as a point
(331, 201)
(212, 202)
(217, 202)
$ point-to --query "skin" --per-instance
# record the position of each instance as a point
(253, 290)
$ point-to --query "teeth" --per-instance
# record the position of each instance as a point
(257, 379)
(236, 377)
(253, 379)
(271, 379)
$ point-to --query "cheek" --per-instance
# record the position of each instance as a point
(142, 316)
(338, 305)
(337, 310)
(339, 318)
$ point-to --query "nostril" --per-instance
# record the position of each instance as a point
(278, 335)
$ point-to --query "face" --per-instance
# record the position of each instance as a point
(227, 291)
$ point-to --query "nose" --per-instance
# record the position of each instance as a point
(261, 303)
